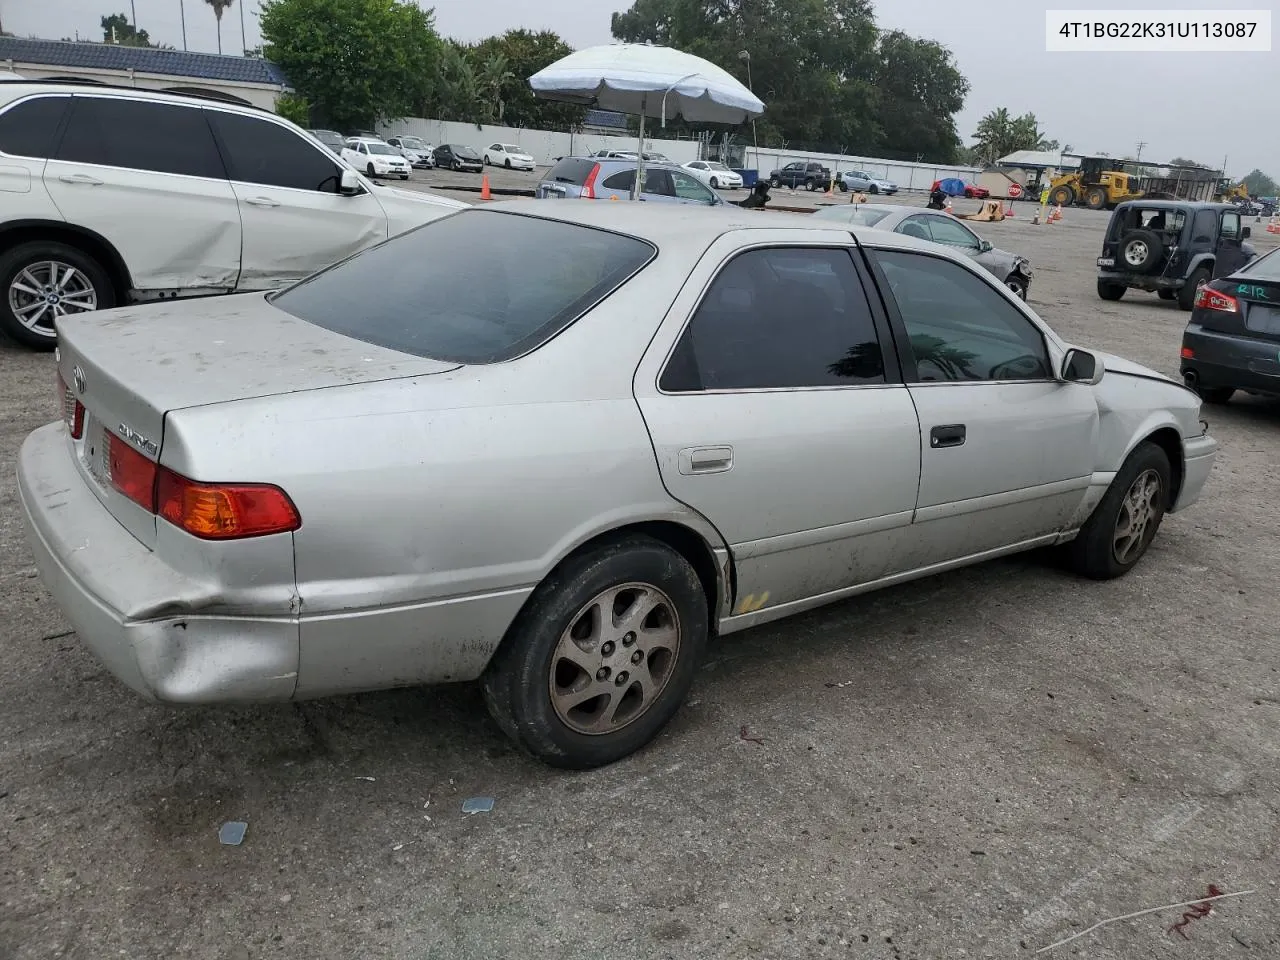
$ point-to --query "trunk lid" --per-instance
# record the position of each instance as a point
(130, 366)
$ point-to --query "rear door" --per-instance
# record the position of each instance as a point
(147, 176)
(777, 412)
(1007, 451)
(296, 220)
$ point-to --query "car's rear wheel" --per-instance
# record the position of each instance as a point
(44, 280)
(602, 655)
(1124, 523)
(1191, 289)
(1215, 395)
(844, 187)
(1110, 291)
(811, 185)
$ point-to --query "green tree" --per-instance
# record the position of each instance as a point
(455, 90)
(355, 61)
(118, 30)
(1260, 185)
(919, 92)
(218, 7)
(294, 109)
(999, 134)
(524, 53)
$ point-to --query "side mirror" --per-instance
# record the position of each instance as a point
(349, 185)
(1246, 233)
(985, 246)
(1080, 366)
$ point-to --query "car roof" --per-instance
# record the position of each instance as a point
(17, 89)
(675, 225)
(1176, 205)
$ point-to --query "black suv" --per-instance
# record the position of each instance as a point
(811, 176)
(1171, 247)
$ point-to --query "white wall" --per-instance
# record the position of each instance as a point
(544, 146)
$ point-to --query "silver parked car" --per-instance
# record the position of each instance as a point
(556, 447)
(1013, 270)
(864, 182)
(592, 178)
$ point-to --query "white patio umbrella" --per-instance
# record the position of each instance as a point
(649, 81)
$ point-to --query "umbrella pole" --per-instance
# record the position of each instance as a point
(635, 187)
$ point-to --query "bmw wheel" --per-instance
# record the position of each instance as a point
(602, 655)
(43, 281)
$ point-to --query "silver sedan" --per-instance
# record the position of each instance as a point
(558, 447)
(1010, 268)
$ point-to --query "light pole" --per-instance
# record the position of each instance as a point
(745, 56)
(182, 12)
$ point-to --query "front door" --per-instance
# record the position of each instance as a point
(1231, 257)
(1007, 451)
(296, 221)
(779, 416)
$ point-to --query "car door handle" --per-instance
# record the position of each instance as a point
(949, 435)
(706, 460)
(82, 178)
(262, 201)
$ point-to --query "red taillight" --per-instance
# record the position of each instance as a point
(224, 511)
(211, 511)
(72, 409)
(1210, 299)
(1188, 353)
(589, 184)
(130, 472)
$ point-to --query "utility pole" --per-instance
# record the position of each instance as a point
(133, 8)
(244, 43)
(1141, 144)
(182, 11)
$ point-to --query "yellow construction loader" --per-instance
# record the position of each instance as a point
(1230, 193)
(1099, 183)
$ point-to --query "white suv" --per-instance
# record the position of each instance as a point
(113, 195)
(377, 158)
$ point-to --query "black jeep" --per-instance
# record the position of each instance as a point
(1171, 247)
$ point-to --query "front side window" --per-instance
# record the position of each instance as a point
(262, 152)
(959, 326)
(943, 230)
(474, 287)
(779, 318)
(140, 135)
(690, 188)
(1231, 226)
(28, 129)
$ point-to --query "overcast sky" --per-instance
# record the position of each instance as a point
(1194, 105)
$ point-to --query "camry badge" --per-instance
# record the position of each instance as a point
(77, 377)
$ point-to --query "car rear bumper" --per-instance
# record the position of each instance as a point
(1198, 455)
(1141, 281)
(96, 571)
(1222, 360)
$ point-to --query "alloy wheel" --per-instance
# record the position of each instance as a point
(43, 291)
(1139, 510)
(615, 658)
(1135, 252)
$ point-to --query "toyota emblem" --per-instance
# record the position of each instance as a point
(77, 375)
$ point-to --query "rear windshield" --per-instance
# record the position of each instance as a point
(474, 287)
(573, 170)
(1265, 268)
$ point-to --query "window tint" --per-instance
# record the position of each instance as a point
(28, 129)
(688, 188)
(474, 287)
(959, 326)
(779, 318)
(951, 233)
(135, 134)
(262, 152)
(620, 181)
(1204, 226)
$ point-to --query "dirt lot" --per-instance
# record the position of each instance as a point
(976, 765)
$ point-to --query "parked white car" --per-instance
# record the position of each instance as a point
(714, 174)
(377, 158)
(507, 155)
(131, 196)
(414, 149)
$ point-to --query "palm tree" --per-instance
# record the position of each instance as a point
(494, 75)
(218, 7)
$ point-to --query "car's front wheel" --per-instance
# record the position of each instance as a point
(1124, 523)
(1018, 284)
(602, 655)
(369, 170)
(874, 190)
(508, 164)
(41, 281)
(715, 184)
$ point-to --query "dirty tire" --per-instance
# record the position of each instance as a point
(517, 683)
(775, 182)
(1062, 197)
(874, 190)
(369, 170)
(1191, 289)
(1164, 293)
(1096, 198)
(1110, 291)
(1215, 395)
(1093, 553)
(24, 255)
(1018, 284)
(1139, 252)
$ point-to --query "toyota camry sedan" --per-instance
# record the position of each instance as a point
(556, 448)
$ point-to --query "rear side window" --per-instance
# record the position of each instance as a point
(475, 287)
(573, 170)
(28, 129)
(267, 153)
(779, 318)
(140, 135)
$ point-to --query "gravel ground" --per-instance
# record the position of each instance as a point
(976, 765)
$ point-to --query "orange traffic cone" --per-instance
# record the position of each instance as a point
(1009, 212)
(484, 189)
(1273, 225)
